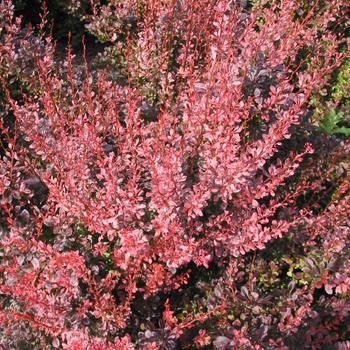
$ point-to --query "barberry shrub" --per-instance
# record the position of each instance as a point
(175, 195)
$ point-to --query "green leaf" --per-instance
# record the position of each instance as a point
(329, 123)
(343, 130)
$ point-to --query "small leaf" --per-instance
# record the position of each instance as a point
(55, 343)
(221, 343)
(244, 292)
(35, 262)
(329, 289)
(218, 291)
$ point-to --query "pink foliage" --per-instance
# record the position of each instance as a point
(204, 182)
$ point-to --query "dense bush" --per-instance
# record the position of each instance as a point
(177, 194)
